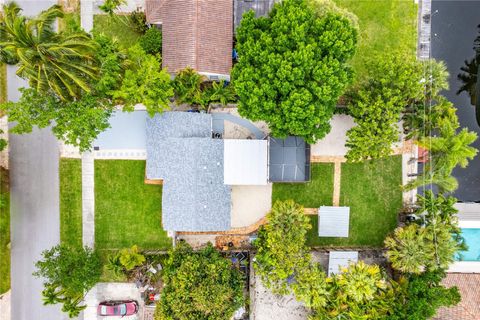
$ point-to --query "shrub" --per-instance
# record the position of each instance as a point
(151, 41)
(138, 21)
(199, 285)
(130, 258)
(187, 86)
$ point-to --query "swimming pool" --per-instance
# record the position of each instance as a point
(472, 239)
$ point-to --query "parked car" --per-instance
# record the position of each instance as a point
(117, 308)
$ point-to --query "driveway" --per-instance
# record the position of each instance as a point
(454, 28)
(34, 205)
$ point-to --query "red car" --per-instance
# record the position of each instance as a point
(117, 308)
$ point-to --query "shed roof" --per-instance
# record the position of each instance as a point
(180, 151)
(333, 221)
(340, 259)
(246, 162)
(196, 34)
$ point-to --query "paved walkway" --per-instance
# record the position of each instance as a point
(88, 199)
(86, 14)
(424, 29)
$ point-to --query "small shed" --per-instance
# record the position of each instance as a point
(333, 221)
(245, 162)
(340, 259)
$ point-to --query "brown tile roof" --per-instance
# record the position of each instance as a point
(469, 307)
(196, 33)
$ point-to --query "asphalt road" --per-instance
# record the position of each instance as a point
(34, 210)
(454, 28)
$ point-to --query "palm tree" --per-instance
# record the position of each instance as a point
(469, 78)
(406, 249)
(60, 62)
(51, 295)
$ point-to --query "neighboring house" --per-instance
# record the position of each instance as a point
(198, 168)
(196, 34)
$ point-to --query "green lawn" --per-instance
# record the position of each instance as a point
(318, 192)
(127, 211)
(385, 25)
(117, 27)
(3, 83)
(372, 190)
(71, 202)
(4, 231)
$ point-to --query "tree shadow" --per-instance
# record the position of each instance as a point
(470, 77)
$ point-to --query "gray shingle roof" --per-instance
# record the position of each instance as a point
(180, 151)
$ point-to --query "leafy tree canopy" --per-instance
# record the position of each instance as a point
(145, 82)
(199, 285)
(424, 295)
(77, 123)
(62, 63)
(393, 83)
(281, 250)
(292, 68)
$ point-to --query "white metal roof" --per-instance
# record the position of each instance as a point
(245, 162)
(340, 259)
(333, 221)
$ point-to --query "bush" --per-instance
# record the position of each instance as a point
(199, 285)
(138, 21)
(151, 41)
(130, 258)
(187, 86)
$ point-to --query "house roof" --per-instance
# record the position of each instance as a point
(180, 151)
(196, 34)
(333, 221)
(246, 162)
(289, 160)
(340, 259)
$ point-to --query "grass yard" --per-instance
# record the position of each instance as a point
(318, 192)
(4, 231)
(372, 190)
(127, 211)
(385, 25)
(117, 27)
(71, 202)
(3, 84)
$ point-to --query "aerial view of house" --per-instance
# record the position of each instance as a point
(239, 159)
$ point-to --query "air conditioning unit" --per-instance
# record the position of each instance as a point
(217, 135)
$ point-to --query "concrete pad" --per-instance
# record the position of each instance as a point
(111, 291)
(334, 142)
(250, 204)
(5, 306)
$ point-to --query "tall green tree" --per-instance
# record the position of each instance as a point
(394, 82)
(293, 68)
(446, 151)
(145, 82)
(63, 63)
(77, 123)
(199, 285)
(67, 274)
(360, 291)
(281, 250)
(424, 295)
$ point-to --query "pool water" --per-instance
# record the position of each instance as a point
(472, 239)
